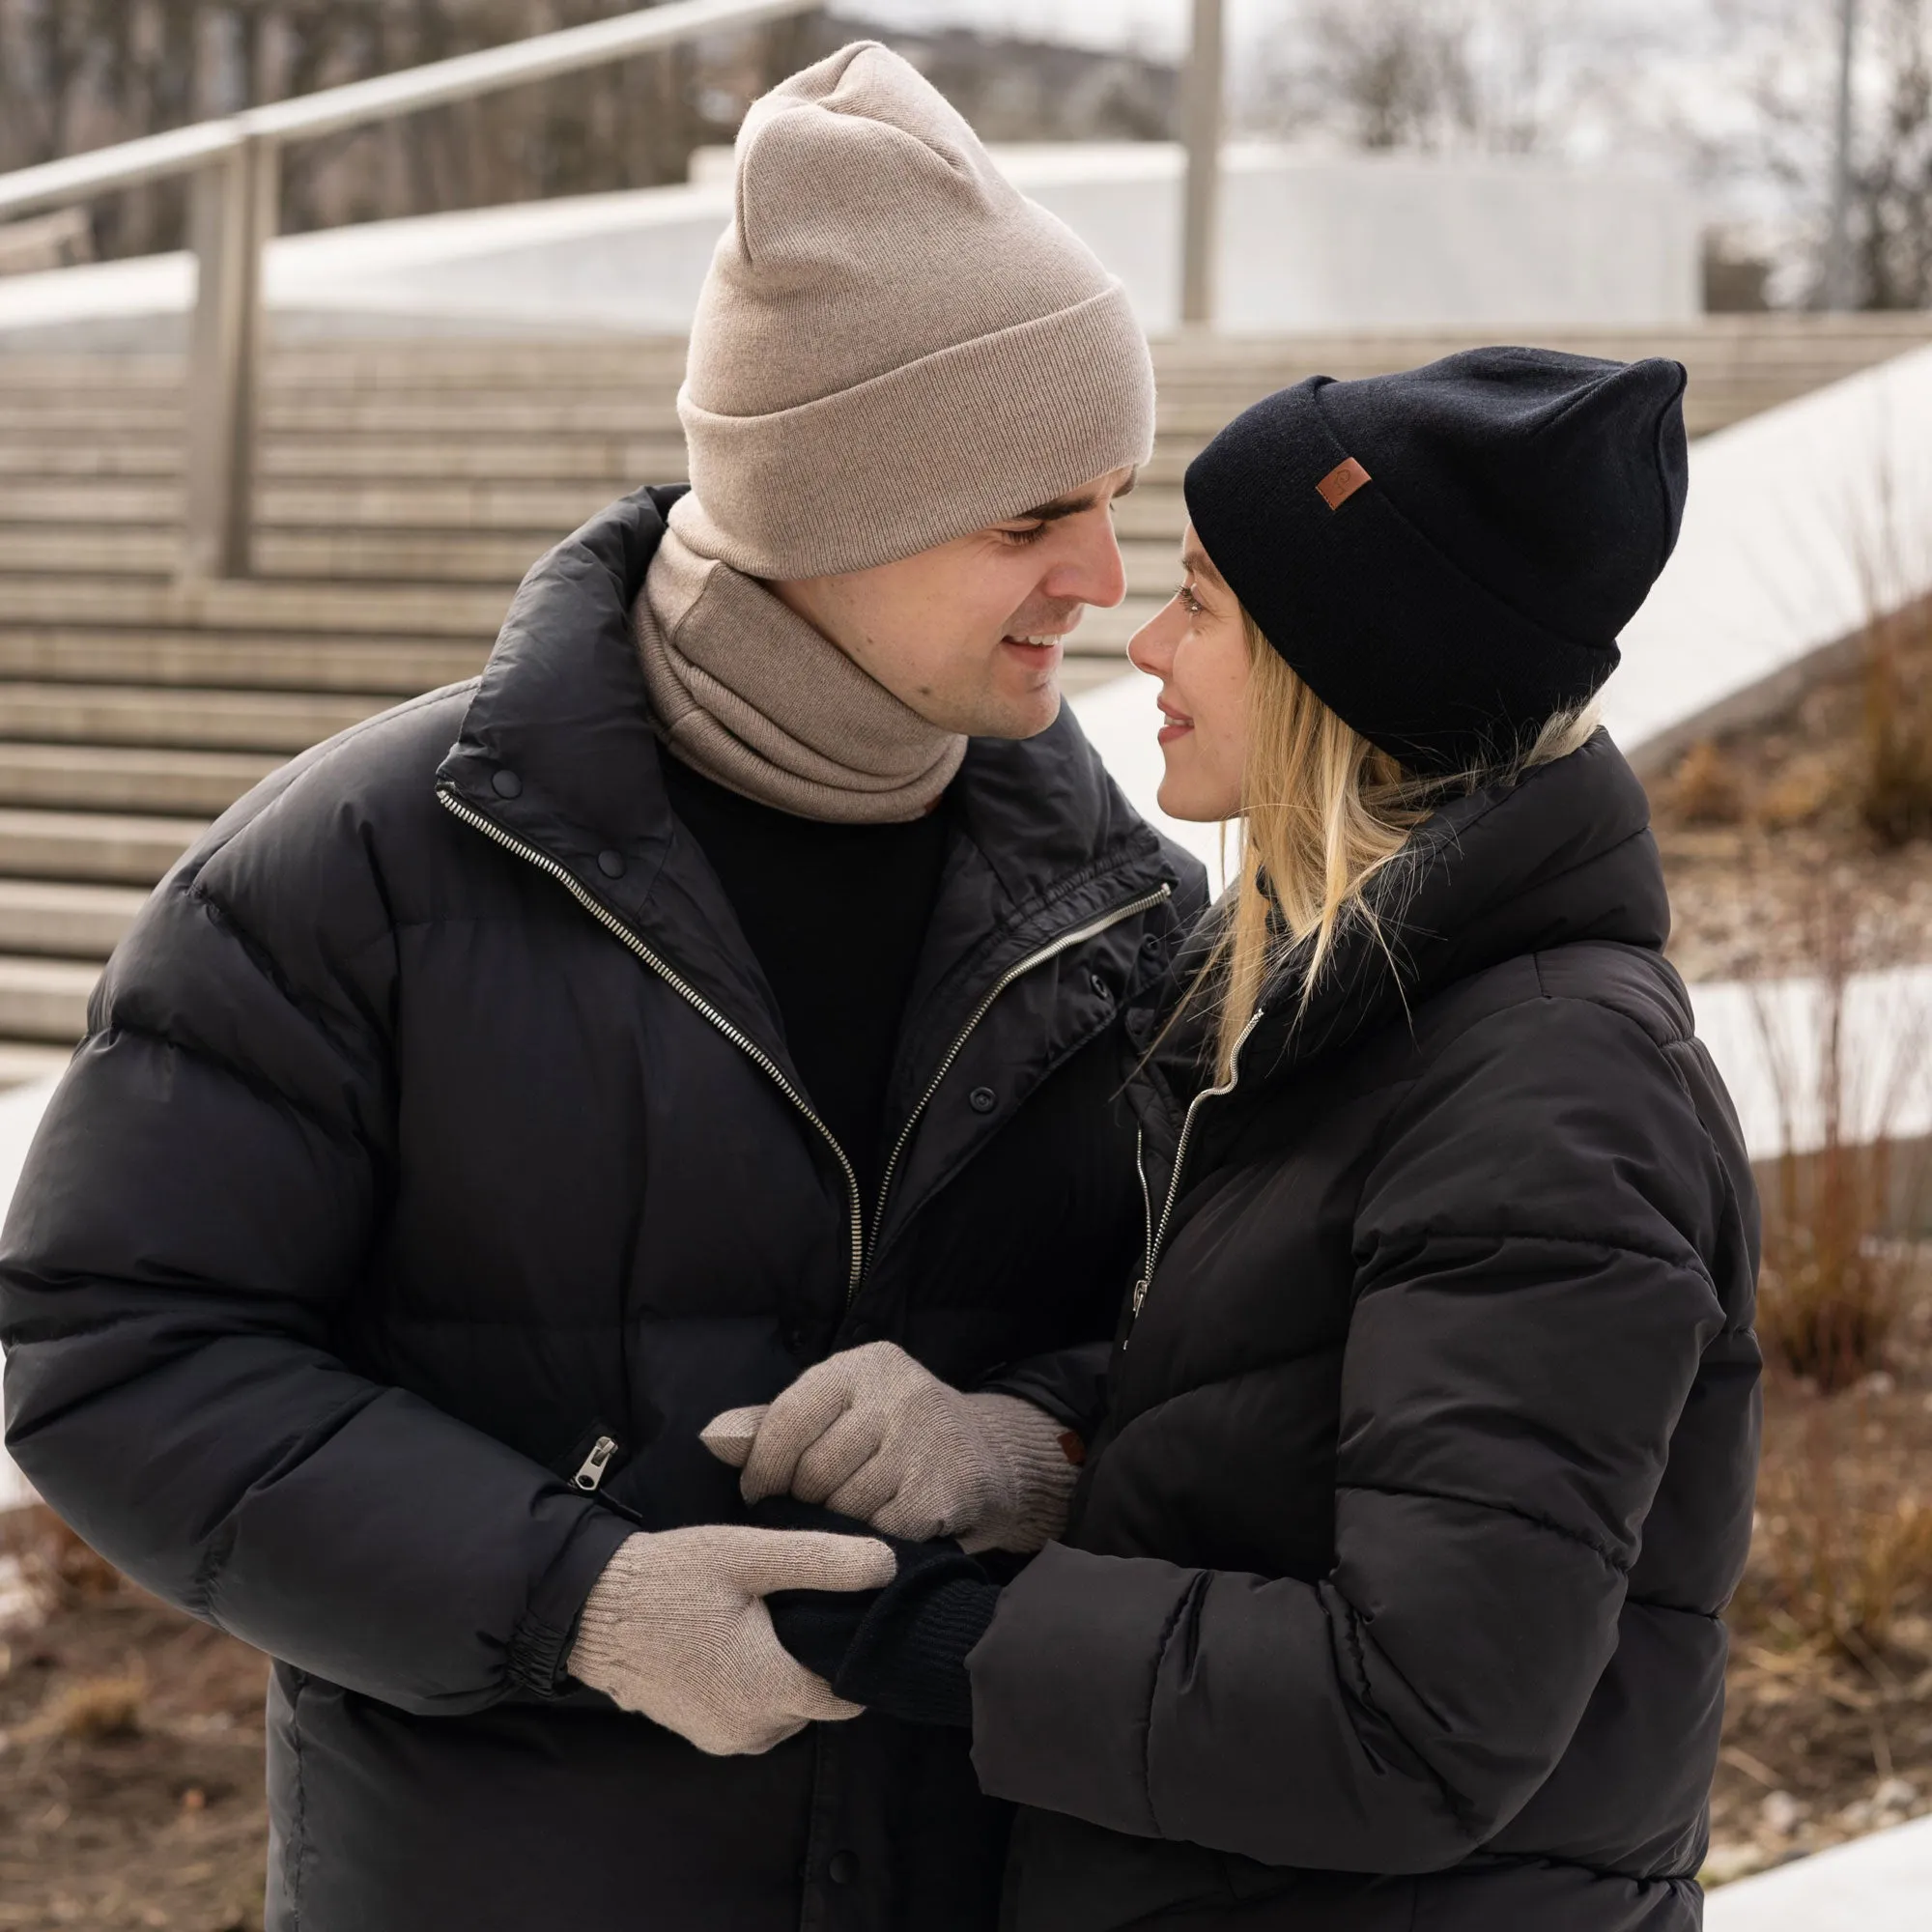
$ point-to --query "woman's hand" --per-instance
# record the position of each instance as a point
(873, 1434)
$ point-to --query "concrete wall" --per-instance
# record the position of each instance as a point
(1385, 242)
(1306, 243)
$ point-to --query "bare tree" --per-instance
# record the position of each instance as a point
(1891, 178)
(1428, 75)
(1787, 142)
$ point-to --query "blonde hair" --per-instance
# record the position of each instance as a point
(1325, 815)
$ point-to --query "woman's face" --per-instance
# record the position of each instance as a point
(1198, 648)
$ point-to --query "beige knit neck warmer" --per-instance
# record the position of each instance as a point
(746, 692)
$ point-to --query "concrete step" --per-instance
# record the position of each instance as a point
(123, 777)
(146, 550)
(57, 501)
(45, 999)
(96, 599)
(58, 715)
(22, 1062)
(1082, 673)
(518, 507)
(1153, 569)
(645, 415)
(411, 559)
(1103, 634)
(420, 412)
(112, 458)
(1154, 513)
(600, 363)
(613, 465)
(620, 463)
(98, 848)
(42, 369)
(70, 921)
(97, 416)
(375, 672)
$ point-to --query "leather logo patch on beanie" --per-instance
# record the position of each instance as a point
(1341, 482)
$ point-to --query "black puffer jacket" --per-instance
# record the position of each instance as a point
(1392, 1595)
(433, 1123)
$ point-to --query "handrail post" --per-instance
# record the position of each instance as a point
(233, 217)
(1202, 116)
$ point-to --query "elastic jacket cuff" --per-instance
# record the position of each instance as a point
(540, 1644)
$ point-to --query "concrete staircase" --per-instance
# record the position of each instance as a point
(405, 487)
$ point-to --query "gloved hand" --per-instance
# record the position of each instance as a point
(902, 1650)
(873, 1434)
(676, 1629)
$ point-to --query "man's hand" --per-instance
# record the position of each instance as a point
(676, 1629)
(873, 1434)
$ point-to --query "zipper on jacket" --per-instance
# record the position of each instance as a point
(618, 930)
(1066, 941)
(590, 1473)
(616, 927)
(1159, 1228)
(1147, 1215)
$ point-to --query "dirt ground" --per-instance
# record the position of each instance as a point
(130, 1751)
(1828, 1732)
(1764, 832)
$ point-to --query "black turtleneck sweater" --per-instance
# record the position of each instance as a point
(836, 916)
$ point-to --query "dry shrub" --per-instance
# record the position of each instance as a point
(1840, 1556)
(60, 1570)
(1806, 787)
(1894, 780)
(1708, 788)
(94, 1708)
(1829, 1292)
(1830, 1286)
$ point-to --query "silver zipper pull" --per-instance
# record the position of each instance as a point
(591, 1473)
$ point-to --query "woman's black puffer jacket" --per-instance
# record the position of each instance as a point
(1391, 1600)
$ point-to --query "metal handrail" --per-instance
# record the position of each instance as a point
(235, 165)
(126, 164)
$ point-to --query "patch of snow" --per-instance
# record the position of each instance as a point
(1880, 1884)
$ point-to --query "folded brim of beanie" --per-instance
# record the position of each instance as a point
(977, 432)
(1389, 632)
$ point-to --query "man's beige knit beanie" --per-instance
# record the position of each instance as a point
(894, 346)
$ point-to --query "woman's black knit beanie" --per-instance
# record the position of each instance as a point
(1446, 556)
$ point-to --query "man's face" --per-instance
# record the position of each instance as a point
(970, 635)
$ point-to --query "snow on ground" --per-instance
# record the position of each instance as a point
(20, 1115)
(1880, 1884)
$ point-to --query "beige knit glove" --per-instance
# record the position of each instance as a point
(676, 1629)
(873, 1434)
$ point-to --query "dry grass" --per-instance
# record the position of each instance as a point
(1828, 1729)
(1894, 775)
(1829, 1294)
(1842, 1557)
(1709, 787)
(92, 1711)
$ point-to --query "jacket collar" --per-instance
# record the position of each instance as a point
(1562, 856)
(558, 752)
